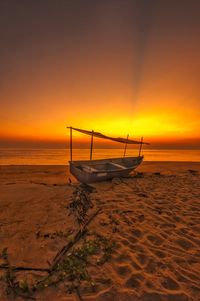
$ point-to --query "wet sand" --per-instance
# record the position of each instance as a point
(152, 217)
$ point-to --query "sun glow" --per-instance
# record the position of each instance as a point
(105, 70)
(160, 124)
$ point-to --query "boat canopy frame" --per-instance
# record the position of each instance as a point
(99, 135)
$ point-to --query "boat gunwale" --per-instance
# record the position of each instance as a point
(99, 161)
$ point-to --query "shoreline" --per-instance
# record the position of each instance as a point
(145, 162)
(147, 166)
(161, 161)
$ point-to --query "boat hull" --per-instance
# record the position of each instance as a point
(87, 171)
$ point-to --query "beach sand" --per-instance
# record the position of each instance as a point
(152, 218)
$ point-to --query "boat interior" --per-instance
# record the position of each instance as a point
(114, 164)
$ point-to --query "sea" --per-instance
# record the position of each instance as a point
(44, 156)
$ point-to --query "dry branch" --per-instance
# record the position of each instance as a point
(6, 266)
(77, 237)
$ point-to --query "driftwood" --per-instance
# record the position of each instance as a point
(77, 237)
(80, 298)
(80, 203)
(6, 266)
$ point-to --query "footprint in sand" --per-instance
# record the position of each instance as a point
(151, 266)
(135, 265)
(132, 239)
(142, 258)
(149, 284)
(180, 277)
(137, 233)
(184, 244)
(168, 225)
(123, 270)
(125, 242)
(134, 281)
(170, 284)
(122, 258)
(155, 239)
(158, 253)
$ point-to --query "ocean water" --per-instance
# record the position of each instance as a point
(61, 156)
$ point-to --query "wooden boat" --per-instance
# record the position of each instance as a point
(89, 171)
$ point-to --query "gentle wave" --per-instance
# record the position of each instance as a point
(61, 156)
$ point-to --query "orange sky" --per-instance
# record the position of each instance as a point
(113, 66)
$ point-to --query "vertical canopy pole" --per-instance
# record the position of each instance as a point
(91, 144)
(70, 143)
(140, 146)
(125, 147)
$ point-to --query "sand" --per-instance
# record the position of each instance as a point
(153, 218)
